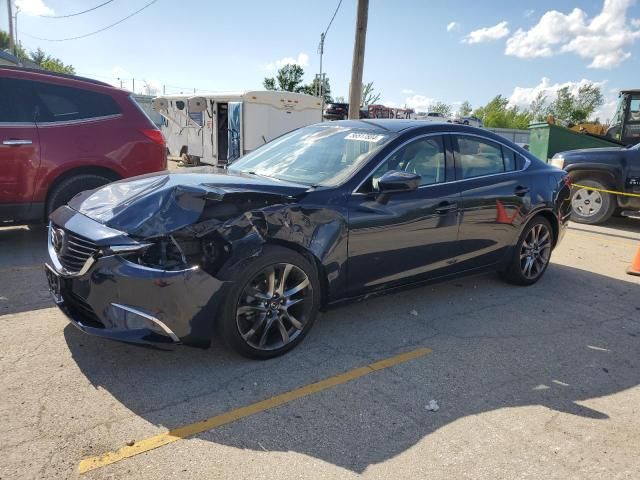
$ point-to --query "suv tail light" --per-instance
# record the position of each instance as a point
(154, 135)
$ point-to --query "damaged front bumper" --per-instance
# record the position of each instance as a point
(109, 296)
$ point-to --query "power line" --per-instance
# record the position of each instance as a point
(92, 33)
(334, 16)
(77, 13)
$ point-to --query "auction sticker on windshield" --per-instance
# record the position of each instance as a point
(364, 137)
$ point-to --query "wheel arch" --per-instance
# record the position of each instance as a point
(84, 170)
(608, 176)
(310, 256)
(549, 216)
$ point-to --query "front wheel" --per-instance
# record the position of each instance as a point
(531, 254)
(272, 304)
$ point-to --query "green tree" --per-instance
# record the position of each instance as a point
(369, 97)
(4, 45)
(441, 107)
(539, 108)
(312, 89)
(576, 108)
(288, 78)
(498, 114)
(465, 109)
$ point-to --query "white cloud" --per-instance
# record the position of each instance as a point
(453, 26)
(419, 103)
(488, 34)
(33, 7)
(601, 39)
(523, 96)
(302, 60)
(407, 91)
(528, 13)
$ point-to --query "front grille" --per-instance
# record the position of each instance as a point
(74, 250)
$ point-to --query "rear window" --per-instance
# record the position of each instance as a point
(61, 104)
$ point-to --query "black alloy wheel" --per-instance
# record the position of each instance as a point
(274, 306)
(272, 303)
(532, 253)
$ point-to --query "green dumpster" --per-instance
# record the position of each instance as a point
(546, 140)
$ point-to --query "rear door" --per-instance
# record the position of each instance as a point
(19, 148)
(494, 199)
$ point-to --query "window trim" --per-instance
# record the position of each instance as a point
(78, 121)
(450, 136)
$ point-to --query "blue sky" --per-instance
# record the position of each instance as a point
(411, 55)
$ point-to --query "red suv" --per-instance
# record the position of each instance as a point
(61, 135)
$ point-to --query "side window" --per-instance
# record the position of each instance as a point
(424, 157)
(60, 104)
(478, 157)
(510, 162)
(17, 101)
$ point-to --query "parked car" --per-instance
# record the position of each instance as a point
(433, 117)
(596, 171)
(472, 121)
(327, 213)
(336, 111)
(62, 134)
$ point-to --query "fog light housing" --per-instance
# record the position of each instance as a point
(130, 318)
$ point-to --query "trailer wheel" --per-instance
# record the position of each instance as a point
(591, 206)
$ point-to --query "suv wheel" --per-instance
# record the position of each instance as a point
(591, 206)
(69, 188)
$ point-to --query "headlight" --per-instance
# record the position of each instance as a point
(558, 161)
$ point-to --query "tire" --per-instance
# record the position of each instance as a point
(244, 319)
(70, 187)
(517, 271)
(589, 206)
(466, 122)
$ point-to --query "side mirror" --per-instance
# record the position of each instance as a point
(396, 181)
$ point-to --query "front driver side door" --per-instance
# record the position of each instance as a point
(400, 237)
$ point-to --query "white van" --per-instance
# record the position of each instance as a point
(219, 128)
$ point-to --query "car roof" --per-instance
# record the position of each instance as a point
(34, 73)
(401, 125)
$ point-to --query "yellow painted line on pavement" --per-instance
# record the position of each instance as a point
(186, 431)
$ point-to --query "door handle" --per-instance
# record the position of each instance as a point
(446, 207)
(521, 191)
(14, 142)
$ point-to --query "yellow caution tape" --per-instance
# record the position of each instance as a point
(613, 192)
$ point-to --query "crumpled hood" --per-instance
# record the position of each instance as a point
(163, 202)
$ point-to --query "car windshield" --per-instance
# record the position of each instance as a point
(315, 155)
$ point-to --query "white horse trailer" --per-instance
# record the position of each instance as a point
(218, 128)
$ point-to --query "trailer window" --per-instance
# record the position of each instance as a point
(314, 155)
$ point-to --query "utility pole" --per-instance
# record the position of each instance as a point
(320, 77)
(355, 89)
(163, 89)
(133, 85)
(12, 45)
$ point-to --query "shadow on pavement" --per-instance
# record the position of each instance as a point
(572, 337)
(23, 286)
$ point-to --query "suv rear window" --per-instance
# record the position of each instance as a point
(61, 104)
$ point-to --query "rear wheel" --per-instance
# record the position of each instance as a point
(591, 206)
(69, 188)
(273, 304)
(532, 253)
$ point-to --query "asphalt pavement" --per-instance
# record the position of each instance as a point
(529, 382)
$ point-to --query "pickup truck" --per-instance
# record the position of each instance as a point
(596, 169)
